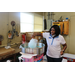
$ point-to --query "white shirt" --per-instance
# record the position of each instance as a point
(54, 45)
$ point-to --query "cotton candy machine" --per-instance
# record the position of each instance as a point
(38, 50)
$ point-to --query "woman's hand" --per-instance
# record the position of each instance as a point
(64, 47)
(36, 34)
(61, 52)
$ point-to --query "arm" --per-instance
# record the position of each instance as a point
(64, 48)
(37, 34)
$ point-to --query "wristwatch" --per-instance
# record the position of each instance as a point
(63, 50)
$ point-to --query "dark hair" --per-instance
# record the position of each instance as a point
(57, 29)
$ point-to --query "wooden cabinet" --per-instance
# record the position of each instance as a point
(64, 27)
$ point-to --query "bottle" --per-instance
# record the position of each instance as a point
(67, 19)
(25, 44)
(40, 43)
(9, 34)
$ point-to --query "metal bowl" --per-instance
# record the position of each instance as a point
(38, 50)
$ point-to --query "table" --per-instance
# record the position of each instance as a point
(11, 52)
(4, 51)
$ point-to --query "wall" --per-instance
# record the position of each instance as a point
(5, 25)
(70, 39)
(40, 13)
(46, 15)
(14, 16)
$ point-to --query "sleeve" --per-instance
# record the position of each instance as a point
(45, 35)
(63, 40)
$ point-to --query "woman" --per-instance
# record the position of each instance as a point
(54, 42)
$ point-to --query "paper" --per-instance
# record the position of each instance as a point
(27, 55)
(69, 55)
(7, 47)
(64, 60)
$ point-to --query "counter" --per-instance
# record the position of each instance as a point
(4, 51)
(11, 52)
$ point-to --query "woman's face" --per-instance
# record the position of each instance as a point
(52, 31)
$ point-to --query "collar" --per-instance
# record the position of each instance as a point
(55, 37)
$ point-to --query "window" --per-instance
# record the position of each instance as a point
(30, 22)
(38, 23)
(26, 22)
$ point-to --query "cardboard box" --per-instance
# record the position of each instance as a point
(38, 37)
(28, 39)
(29, 36)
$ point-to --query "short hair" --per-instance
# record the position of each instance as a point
(57, 29)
